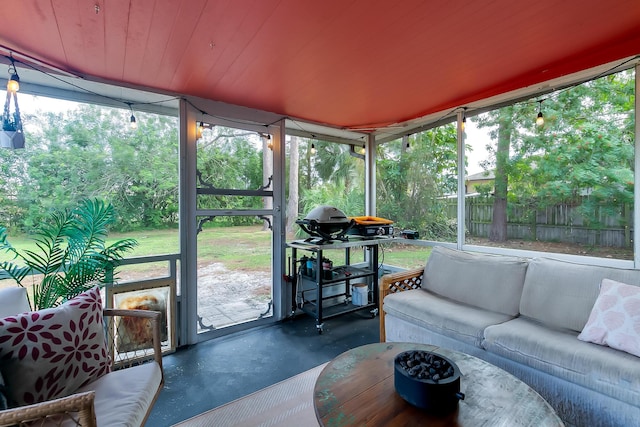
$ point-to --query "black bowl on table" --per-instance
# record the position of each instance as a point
(428, 380)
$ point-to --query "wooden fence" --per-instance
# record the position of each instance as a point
(558, 223)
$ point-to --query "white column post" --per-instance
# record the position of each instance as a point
(461, 178)
(370, 176)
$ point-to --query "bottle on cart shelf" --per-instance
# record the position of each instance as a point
(310, 267)
(303, 266)
(327, 269)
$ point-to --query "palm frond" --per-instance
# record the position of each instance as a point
(71, 254)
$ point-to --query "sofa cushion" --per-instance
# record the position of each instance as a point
(560, 353)
(124, 396)
(552, 286)
(13, 300)
(52, 352)
(463, 322)
(492, 282)
(615, 318)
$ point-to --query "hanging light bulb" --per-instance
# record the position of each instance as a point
(132, 120)
(464, 119)
(313, 148)
(13, 85)
(200, 130)
(540, 118)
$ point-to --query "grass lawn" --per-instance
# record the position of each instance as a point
(242, 247)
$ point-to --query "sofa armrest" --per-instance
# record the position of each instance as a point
(397, 282)
(77, 408)
(133, 337)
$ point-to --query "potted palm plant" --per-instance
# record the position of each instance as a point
(72, 254)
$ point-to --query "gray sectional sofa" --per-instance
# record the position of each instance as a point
(523, 315)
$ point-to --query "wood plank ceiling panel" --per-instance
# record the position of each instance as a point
(347, 63)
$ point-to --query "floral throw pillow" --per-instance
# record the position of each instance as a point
(615, 318)
(52, 352)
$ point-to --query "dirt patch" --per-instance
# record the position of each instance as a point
(219, 284)
(556, 247)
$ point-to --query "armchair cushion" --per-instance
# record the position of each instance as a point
(52, 352)
(13, 300)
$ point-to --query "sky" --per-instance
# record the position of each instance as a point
(478, 140)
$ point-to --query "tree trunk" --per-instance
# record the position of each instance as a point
(292, 203)
(498, 232)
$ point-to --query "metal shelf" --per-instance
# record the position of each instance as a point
(344, 275)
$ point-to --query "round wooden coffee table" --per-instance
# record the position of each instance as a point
(357, 388)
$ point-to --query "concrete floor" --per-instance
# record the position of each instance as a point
(209, 374)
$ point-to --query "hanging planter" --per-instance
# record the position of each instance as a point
(11, 135)
(11, 139)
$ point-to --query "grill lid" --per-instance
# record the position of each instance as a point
(327, 222)
(327, 215)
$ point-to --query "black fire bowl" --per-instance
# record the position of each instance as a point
(428, 380)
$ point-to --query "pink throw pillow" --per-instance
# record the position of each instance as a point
(615, 318)
(52, 352)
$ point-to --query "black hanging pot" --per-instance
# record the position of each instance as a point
(428, 380)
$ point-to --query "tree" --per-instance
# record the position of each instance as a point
(582, 156)
(331, 176)
(413, 182)
(87, 152)
(498, 232)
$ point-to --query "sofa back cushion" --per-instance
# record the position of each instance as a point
(491, 282)
(561, 294)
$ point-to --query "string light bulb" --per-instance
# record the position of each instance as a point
(200, 130)
(13, 85)
(133, 124)
(313, 148)
(464, 119)
(540, 118)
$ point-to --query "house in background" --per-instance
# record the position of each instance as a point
(483, 178)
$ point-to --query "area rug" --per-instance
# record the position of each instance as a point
(287, 403)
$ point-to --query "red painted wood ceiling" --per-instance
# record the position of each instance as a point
(347, 63)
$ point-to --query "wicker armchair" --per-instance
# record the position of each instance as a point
(397, 282)
(79, 409)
